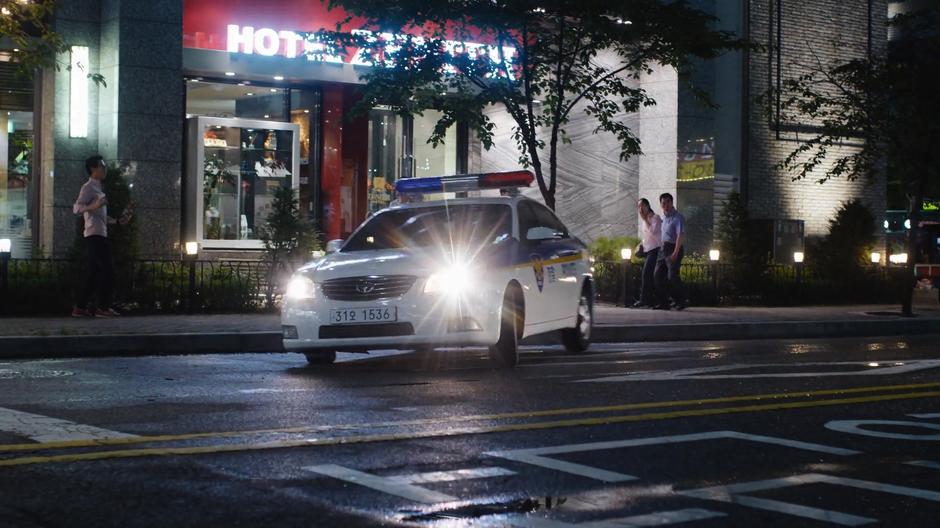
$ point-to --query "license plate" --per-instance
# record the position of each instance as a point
(364, 315)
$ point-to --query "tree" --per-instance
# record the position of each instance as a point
(288, 238)
(545, 61)
(741, 246)
(27, 28)
(889, 103)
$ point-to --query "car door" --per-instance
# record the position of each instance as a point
(547, 244)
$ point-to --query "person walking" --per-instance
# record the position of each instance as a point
(669, 261)
(650, 242)
(92, 204)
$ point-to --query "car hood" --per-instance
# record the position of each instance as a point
(377, 262)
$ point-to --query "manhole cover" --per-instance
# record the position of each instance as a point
(33, 374)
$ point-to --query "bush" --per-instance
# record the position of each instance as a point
(844, 253)
(288, 239)
(741, 248)
(605, 249)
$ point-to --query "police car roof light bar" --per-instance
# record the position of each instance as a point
(465, 182)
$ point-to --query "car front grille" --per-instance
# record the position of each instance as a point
(368, 288)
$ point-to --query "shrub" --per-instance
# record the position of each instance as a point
(605, 249)
(741, 249)
(288, 238)
(844, 252)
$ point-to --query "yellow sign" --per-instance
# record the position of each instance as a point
(696, 170)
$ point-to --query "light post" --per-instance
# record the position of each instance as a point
(192, 252)
(626, 254)
(5, 246)
(798, 260)
(713, 256)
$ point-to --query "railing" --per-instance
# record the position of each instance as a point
(49, 286)
(774, 284)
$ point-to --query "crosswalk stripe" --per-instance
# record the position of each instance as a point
(44, 429)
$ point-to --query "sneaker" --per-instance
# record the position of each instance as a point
(106, 314)
(81, 312)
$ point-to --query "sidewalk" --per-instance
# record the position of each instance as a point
(188, 334)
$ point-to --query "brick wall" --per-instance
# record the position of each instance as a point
(834, 31)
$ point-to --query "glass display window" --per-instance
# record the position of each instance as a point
(241, 99)
(233, 168)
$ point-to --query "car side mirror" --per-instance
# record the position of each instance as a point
(334, 245)
(538, 234)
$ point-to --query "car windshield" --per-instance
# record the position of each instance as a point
(465, 225)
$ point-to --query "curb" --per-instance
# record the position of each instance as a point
(134, 345)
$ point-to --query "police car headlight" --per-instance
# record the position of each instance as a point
(300, 287)
(453, 280)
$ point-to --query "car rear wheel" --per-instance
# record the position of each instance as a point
(578, 339)
(505, 353)
(320, 357)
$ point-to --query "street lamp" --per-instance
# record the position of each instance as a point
(192, 253)
(626, 254)
(5, 246)
(798, 260)
(713, 256)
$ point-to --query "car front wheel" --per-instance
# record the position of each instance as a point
(320, 357)
(505, 353)
(578, 339)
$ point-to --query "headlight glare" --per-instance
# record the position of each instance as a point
(300, 287)
(453, 280)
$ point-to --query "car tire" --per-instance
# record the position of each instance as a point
(321, 357)
(505, 353)
(577, 340)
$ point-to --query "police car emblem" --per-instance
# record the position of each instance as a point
(539, 269)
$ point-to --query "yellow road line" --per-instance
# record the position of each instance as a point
(332, 441)
(468, 418)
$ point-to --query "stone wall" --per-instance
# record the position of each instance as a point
(832, 31)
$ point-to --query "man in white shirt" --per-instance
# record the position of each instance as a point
(92, 204)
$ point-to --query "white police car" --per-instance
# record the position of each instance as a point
(484, 271)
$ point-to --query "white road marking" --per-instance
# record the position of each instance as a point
(663, 518)
(348, 357)
(47, 429)
(272, 391)
(927, 416)
(406, 409)
(855, 427)
(734, 494)
(721, 372)
(383, 484)
(539, 456)
(450, 476)
(924, 463)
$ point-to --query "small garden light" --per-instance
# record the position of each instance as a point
(898, 258)
(714, 255)
(798, 257)
(875, 257)
(192, 248)
(5, 245)
(626, 253)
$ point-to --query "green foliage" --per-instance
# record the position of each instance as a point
(740, 246)
(607, 249)
(550, 60)
(27, 26)
(844, 252)
(288, 238)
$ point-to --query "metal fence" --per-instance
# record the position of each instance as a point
(48, 286)
(775, 284)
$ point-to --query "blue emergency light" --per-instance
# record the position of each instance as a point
(465, 182)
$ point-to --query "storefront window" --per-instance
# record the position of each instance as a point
(243, 163)
(16, 175)
(398, 148)
(386, 158)
(430, 161)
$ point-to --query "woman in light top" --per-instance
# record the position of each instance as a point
(651, 241)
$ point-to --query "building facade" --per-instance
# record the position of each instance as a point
(210, 104)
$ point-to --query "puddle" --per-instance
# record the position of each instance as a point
(480, 510)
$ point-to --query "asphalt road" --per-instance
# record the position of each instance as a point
(838, 432)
